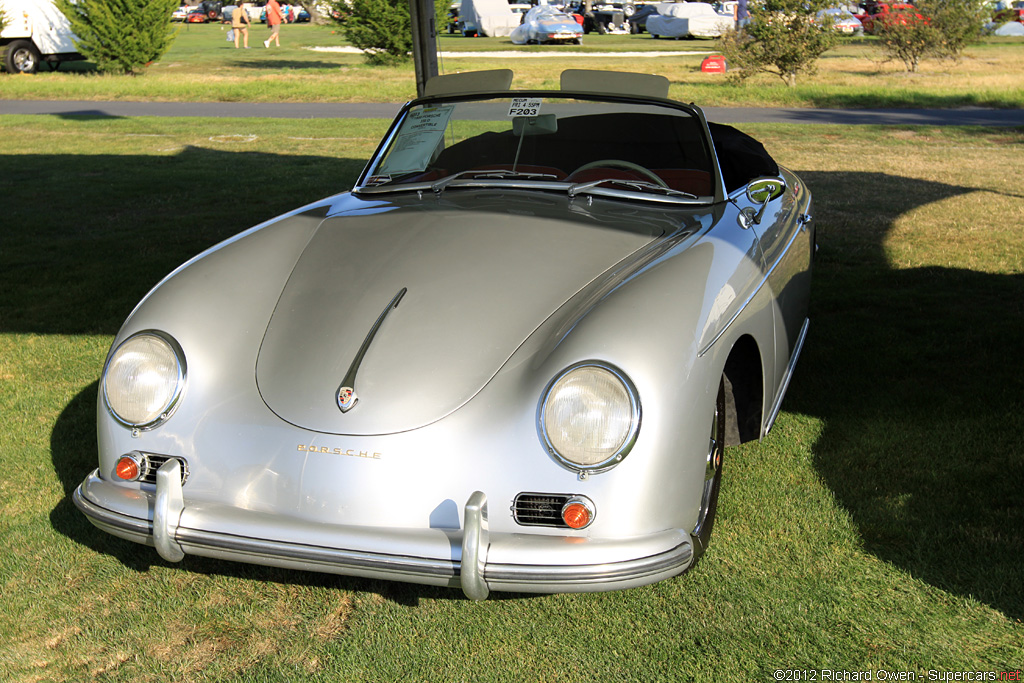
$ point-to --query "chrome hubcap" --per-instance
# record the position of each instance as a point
(23, 60)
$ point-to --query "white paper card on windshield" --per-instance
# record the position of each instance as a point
(419, 137)
(525, 106)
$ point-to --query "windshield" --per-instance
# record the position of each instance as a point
(628, 149)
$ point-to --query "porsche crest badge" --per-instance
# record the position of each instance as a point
(346, 398)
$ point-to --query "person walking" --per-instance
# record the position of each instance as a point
(240, 24)
(274, 22)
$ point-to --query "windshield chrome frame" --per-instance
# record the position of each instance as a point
(362, 188)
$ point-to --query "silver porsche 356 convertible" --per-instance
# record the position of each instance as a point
(508, 360)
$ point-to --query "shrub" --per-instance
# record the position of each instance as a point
(939, 29)
(782, 37)
(121, 36)
(382, 27)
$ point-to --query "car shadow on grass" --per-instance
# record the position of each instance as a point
(916, 374)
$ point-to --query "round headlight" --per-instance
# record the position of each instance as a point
(590, 416)
(144, 379)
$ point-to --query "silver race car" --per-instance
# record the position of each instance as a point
(509, 359)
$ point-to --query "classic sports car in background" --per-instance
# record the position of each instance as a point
(547, 24)
(508, 360)
(842, 21)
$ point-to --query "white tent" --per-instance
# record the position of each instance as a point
(1011, 28)
(490, 17)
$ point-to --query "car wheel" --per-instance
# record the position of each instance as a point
(628, 10)
(21, 57)
(712, 478)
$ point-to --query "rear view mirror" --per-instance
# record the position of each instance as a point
(542, 124)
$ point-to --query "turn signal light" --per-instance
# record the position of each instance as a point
(129, 467)
(578, 512)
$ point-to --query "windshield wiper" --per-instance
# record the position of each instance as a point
(496, 174)
(638, 185)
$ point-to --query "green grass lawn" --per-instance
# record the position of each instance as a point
(879, 527)
(202, 66)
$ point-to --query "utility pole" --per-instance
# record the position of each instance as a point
(424, 41)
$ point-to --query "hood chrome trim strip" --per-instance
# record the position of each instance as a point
(346, 394)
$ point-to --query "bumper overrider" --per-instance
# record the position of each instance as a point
(472, 558)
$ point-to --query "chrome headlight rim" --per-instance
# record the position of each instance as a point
(627, 444)
(179, 386)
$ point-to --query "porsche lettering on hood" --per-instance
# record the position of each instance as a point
(478, 283)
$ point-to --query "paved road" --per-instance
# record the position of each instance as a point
(927, 117)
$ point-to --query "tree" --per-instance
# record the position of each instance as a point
(382, 27)
(959, 21)
(938, 29)
(906, 35)
(121, 36)
(783, 37)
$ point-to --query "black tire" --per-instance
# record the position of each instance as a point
(713, 478)
(21, 57)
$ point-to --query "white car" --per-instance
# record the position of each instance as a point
(688, 20)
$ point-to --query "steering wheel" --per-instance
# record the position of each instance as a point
(620, 163)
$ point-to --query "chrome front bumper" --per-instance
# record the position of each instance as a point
(463, 558)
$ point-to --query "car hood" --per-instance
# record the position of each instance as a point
(477, 284)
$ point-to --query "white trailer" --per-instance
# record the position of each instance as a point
(35, 31)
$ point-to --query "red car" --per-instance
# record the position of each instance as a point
(197, 16)
(1014, 13)
(883, 12)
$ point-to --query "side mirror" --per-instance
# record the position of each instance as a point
(760, 191)
(763, 190)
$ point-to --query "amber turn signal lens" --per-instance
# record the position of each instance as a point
(576, 515)
(127, 468)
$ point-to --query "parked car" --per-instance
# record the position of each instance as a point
(547, 24)
(180, 13)
(212, 8)
(688, 20)
(1011, 12)
(638, 21)
(842, 21)
(509, 359)
(883, 12)
(35, 33)
(197, 16)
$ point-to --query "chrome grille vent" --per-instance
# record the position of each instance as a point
(155, 460)
(540, 509)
